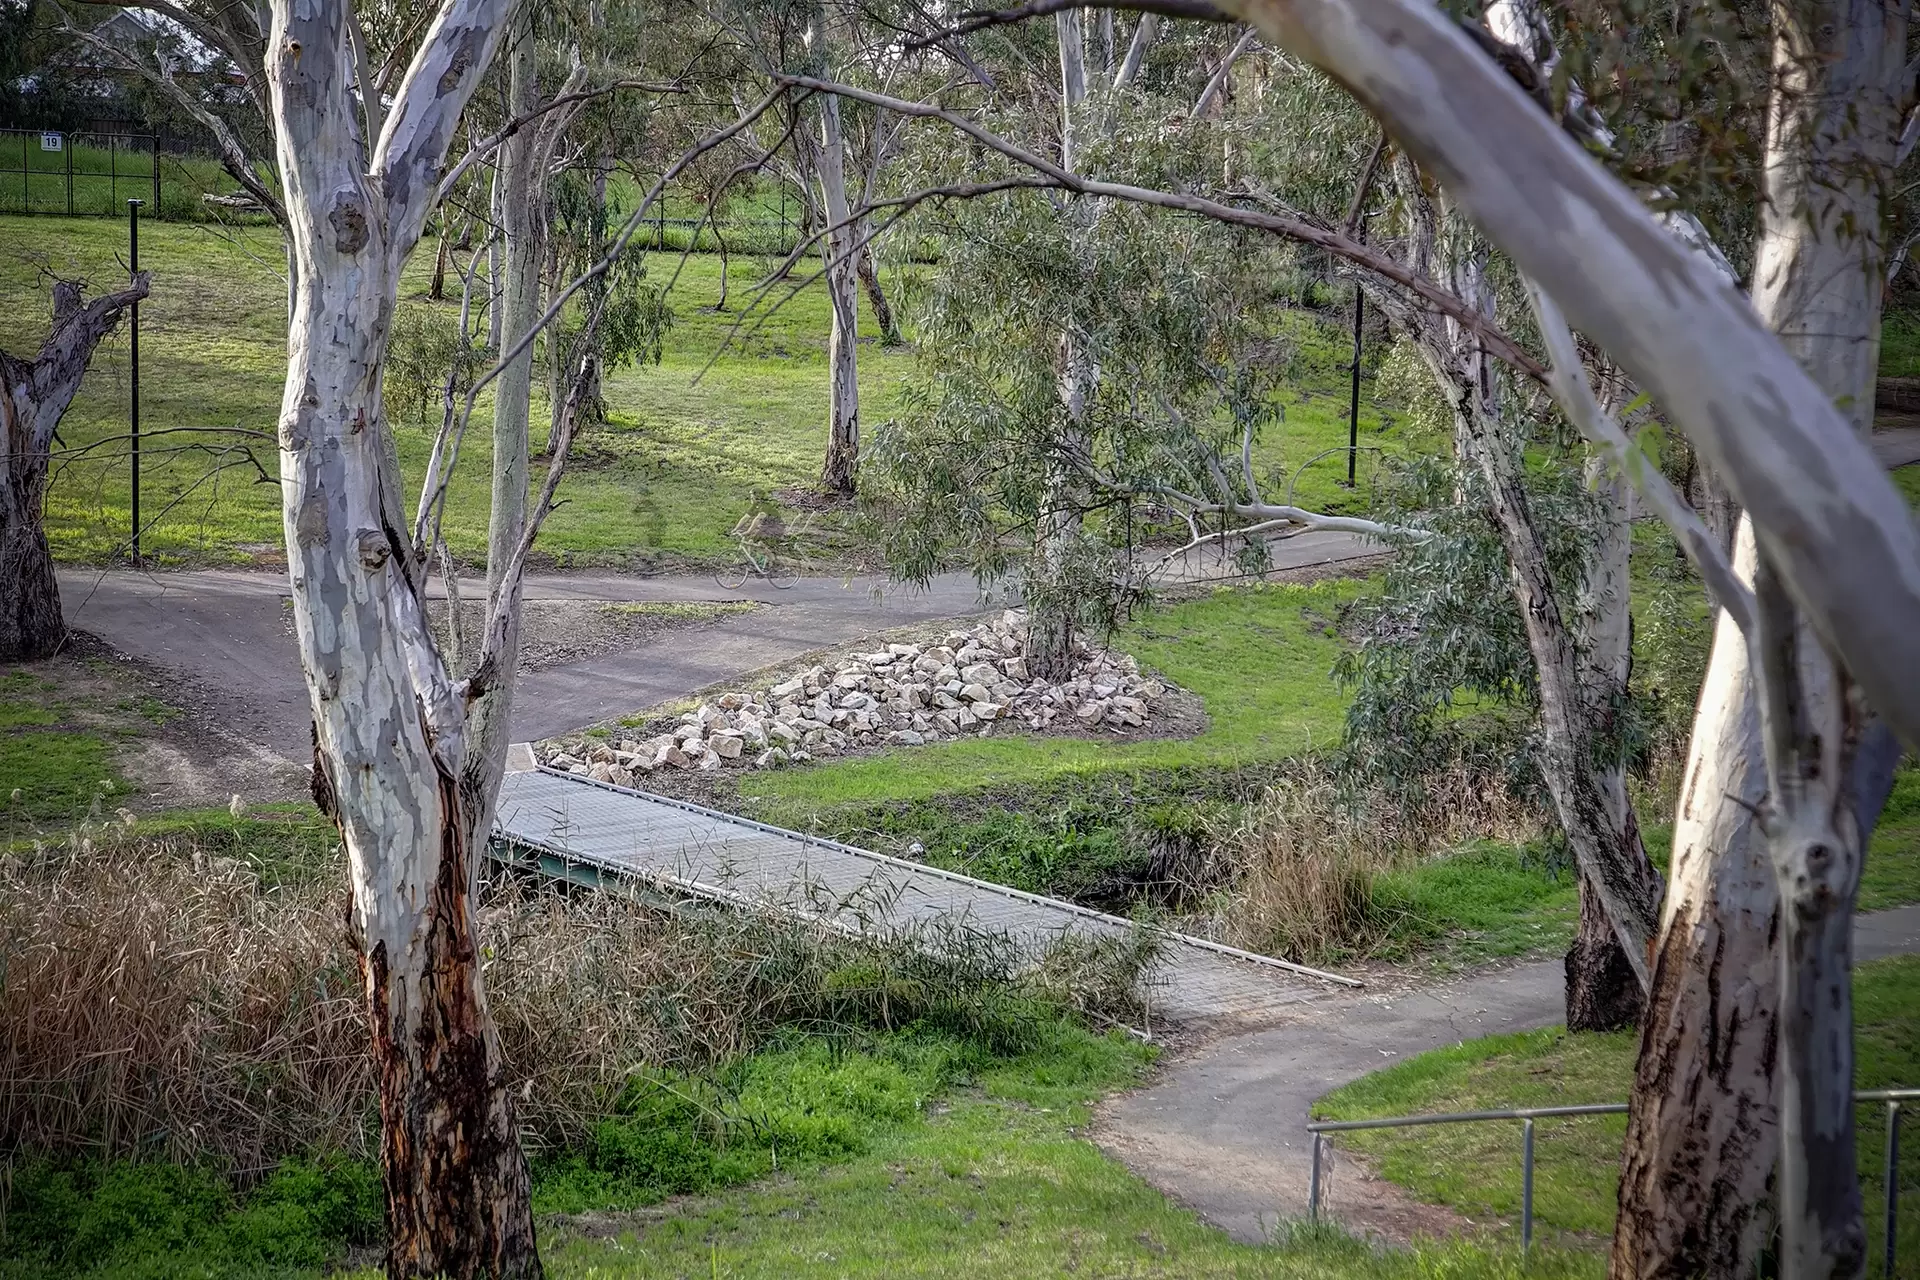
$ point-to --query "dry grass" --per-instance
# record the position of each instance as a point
(157, 1001)
(1299, 865)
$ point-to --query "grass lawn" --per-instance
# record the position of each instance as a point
(666, 479)
(1475, 1168)
(58, 743)
(662, 483)
(1259, 657)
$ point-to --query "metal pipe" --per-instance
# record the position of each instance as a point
(1457, 1117)
(1313, 1182)
(67, 146)
(1892, 1184)
(1526, 1187)
(133, 349)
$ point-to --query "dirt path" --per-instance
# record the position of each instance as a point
(1221, 1129)
(224, 635)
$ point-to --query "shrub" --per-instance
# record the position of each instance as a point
(163, 1004)
(1307, 861)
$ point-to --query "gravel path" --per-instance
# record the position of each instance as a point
(223, 633)
(1221, 1128)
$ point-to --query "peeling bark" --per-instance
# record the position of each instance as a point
(840, 474)
(390, 724)
(34, 395)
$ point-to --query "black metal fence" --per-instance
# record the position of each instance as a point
(1894, 1100)
(44, 171)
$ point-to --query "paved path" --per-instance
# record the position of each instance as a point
(1897, 446)
(687, 849)
(1222, 1130)
(226, 631)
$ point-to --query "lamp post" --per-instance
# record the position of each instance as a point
(133, 346)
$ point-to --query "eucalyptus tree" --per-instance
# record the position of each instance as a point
(34, 395)
(390, 721)
(1838, 541)
(1780, 791)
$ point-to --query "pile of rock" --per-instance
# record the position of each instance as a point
(903, 695)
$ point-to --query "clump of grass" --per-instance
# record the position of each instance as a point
(167, 998)
(1303, 866)
(681, 610)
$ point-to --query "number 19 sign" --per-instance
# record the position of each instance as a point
(52, 142)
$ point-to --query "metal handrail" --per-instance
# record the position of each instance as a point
(923, 868)
(1892, 1098)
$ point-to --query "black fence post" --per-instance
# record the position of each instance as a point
(153, 146)
(133, 345)
(66, 145)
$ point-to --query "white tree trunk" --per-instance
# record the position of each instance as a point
(843, 292)
(1847, 546)
(389, 722)
(1725, 1008)
(1702, 1131)
(522, 190)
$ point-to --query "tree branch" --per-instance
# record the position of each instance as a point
(1841, 535)
(1573, 393)
(1497, 341)
(405, 164)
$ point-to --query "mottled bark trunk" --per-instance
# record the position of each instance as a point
(33, 398)
(1701, 1133)
(1729, 1011)
(389, 722)
(840, 474)
(1578, 684)
(877, 299)
(1588, 795)
(31, 624)
(1602, 992)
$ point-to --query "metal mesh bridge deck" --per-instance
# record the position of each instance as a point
(685, 849)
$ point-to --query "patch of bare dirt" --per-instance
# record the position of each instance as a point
(176, 742)
(556, 633)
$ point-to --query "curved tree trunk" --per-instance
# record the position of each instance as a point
(33, 397)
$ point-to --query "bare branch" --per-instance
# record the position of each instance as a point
(433, 497)
(486, 146)
(1361, 189)
(1197, 10)
(405, 164)
(1497, 341)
